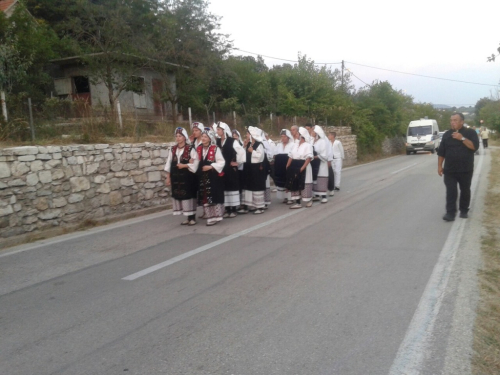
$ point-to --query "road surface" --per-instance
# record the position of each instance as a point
(360, 285)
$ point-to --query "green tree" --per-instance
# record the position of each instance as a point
(490, 114)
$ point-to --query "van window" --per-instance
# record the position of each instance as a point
(420, 130)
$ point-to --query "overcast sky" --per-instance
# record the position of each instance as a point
(440, 38)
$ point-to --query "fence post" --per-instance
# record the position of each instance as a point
(119, 109)
(4, 106)
(234, 118)
(190, 118)
(31, 121)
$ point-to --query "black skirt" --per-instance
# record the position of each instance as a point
(295, 179)
(280, 162)
(315, 163)
(331, 179)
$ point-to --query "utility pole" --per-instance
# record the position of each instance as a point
(342, 74)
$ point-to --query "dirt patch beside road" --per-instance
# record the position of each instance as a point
(486, 360)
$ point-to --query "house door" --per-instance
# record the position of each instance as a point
(81, 95)
(157, 91)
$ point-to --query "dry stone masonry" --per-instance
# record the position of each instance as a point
(60, 186)
(43, 187)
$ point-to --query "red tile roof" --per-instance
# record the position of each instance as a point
(6, 4)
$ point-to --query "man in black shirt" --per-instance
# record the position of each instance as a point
(457, 152)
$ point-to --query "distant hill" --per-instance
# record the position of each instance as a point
(441, 106)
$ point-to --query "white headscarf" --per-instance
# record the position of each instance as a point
(287, 133)
(183, 131)
(210, 134)
(239, 136)
(225, 127)
(198, 125)
(255, 133)
(304, 133)
(319, 131)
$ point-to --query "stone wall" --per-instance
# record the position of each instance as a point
(393, 146)
(44, 187)
(61, 186)
(349, 142)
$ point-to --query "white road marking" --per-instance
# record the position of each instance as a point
(198, 250)
(402, 169)
(415, 345)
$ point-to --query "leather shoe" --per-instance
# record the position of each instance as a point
(449, 217)
(464, 215)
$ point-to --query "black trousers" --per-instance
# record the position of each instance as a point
(485, 143)
(452, 182)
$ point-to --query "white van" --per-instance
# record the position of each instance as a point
(422, 135)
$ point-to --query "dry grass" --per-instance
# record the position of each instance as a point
(486, 360)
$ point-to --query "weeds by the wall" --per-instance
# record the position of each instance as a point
(486, 360)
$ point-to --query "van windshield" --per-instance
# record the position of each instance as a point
(420, 130)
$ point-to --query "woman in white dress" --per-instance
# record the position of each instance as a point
(281, 152)
(299, 173)
(320, 184)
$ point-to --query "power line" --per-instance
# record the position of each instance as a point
(373, 67)
(421, 75)
(350, 71)
(277, 58)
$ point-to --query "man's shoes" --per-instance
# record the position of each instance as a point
(226, 215)
(449, 217)
(192, 222)
(464, 215)
(242, 211)
(232, 214)
(324, 200)
(336, 188)
(258, 212)
(331, 193)
(296, 206)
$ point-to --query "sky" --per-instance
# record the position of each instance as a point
(440, 38)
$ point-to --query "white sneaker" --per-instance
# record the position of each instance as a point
(295, 206)
(332, 193)
(324, 200)
(309, 204)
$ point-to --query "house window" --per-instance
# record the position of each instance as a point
(139, 88)
(82, 85)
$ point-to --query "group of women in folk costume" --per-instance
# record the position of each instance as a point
(226, 175)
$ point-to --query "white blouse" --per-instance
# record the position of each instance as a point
(193, 167)
(219, 163)
(301, 152)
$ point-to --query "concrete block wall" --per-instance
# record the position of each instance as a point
(45, 187)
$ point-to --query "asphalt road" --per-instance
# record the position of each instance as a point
(333, 289)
